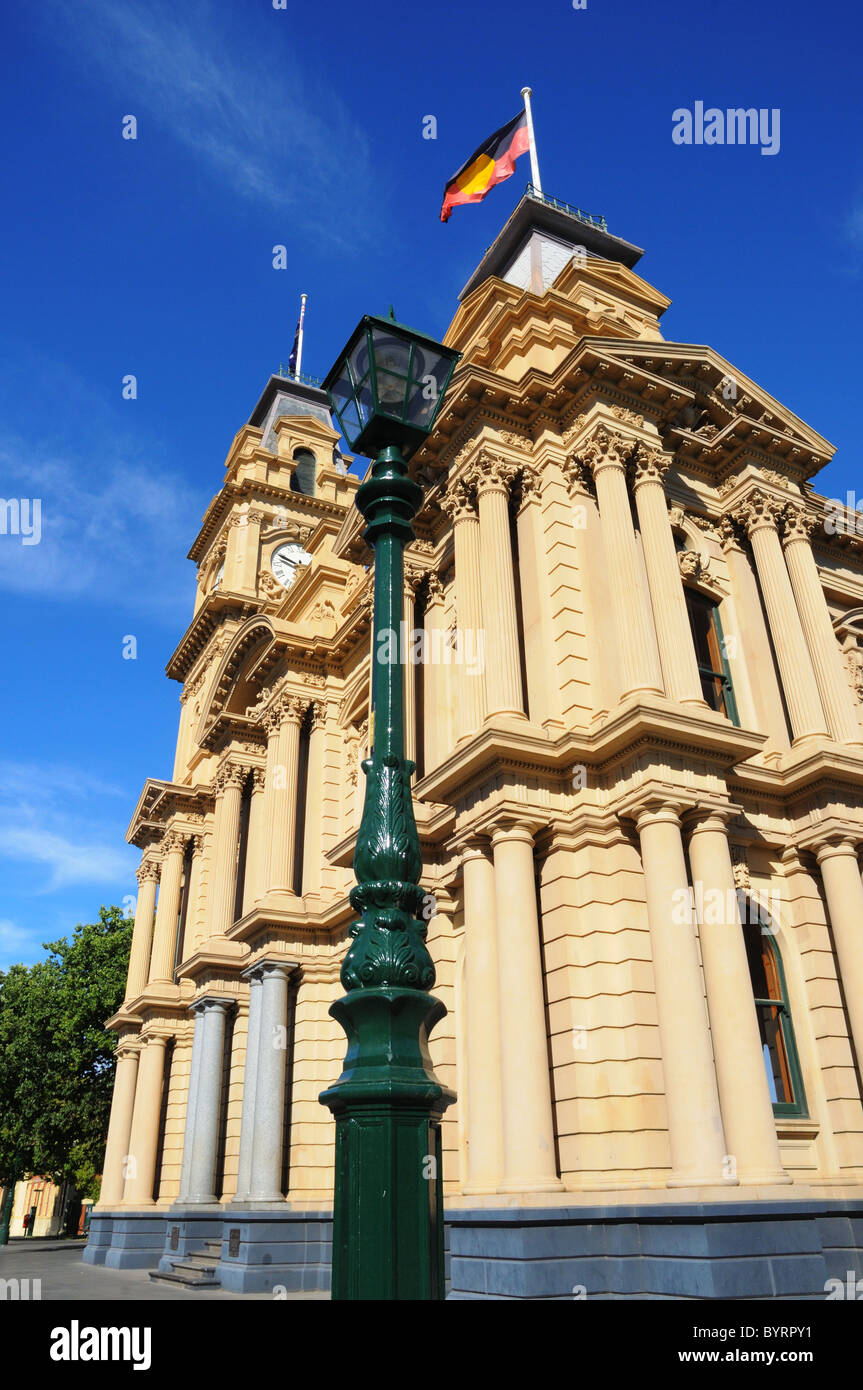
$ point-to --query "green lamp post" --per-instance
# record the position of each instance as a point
(385, 390)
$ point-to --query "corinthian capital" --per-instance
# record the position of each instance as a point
(491, 473)
(757, 511)
(459, 502)
(147, 869)
(605, 450)
(174, 842)
(797, 524)
(230, 774)
(291, 709)
(648, 465)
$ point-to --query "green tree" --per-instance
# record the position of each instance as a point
(56, 1060)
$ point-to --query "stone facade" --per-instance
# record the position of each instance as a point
(637, 729)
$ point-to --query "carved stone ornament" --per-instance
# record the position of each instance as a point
(605, 450)
(459, 502)
(758, 510)
(629, 417)
(797, 525)
(649, 465)
(147, 869)
(269, 587)
(853, 658)
(690, 563)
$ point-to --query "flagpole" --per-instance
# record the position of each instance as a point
(303, 298)
(534, 162)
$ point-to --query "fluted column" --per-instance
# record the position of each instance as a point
(255, 852)
(284, 824)
(142, 932)
(844, 892)
(482, 1024)
(528, 1126)
(836, 698)
(492, 478)
(191, 1113)
(606, 455)
(144, 1136)
(692, 1100)
(168, 909)
(271, 720)
(674, 635)
(759, 515)
(265, 1183)
(312, 851)
(747, 1110)
(250, 1082)
(460, 507)
(120, 1124)
(202, 1123)
(223, 869)
(435, 675)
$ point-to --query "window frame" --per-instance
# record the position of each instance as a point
(723, 675)
(782, 1109)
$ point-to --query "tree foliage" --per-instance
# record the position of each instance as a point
(56, 1060)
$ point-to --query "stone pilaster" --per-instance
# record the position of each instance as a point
(747, 1111)
(492, 478)
(843, 889)
(676, 648)
(836, 698)
(202, 1122)
(528, 1126)
(120, 1124)
(283, 824)
(144, 1135)
(460, 506)
(482, 1022)
(223, 868)
(266, 1164)
(692, 1100)
(759, 514)
(639, 665)
(142, 933)
(168, 909)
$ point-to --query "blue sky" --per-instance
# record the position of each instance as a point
(303, 126)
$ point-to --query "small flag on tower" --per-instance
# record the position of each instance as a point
(493, 162)
(296, 356)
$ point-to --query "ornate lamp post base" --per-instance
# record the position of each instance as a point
(388, 1215)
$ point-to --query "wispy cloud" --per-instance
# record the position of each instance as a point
(114, 530)
(273, 134)
(68, 861)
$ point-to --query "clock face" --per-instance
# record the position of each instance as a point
(284, 561)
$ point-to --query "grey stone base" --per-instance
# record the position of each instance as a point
(746, 1250)
(98, 1239)
(137, 1240)
(265, 1250)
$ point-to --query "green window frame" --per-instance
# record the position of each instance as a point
(775, 1025)
(706, 626)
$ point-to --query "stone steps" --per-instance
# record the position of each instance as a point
(197, 1270)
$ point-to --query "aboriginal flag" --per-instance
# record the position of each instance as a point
(493, 162)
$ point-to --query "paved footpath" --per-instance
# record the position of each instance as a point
(65, 1278)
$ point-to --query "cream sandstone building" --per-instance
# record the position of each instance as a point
(640, 724)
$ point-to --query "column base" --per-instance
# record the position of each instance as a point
(701, 1180)
(530, 1185)
(765, 1177)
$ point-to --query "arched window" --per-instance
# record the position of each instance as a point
(778, 1045)
(243, 846)
(303, 476)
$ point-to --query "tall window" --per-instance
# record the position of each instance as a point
(243, 845)
(706, 628)
(519, 607)
(224, 1094)
(302, 790)
(778, 1046)
(163, 1117)
(303, 476)
(179, 953)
